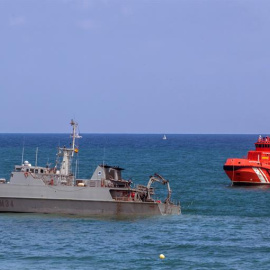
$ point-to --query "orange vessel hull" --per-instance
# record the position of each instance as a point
(247, 174)
(253, 170)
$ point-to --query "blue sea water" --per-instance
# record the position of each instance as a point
(221, 227)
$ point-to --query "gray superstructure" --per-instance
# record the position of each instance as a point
(35, 189)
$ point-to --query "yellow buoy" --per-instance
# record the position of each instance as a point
(161, 256)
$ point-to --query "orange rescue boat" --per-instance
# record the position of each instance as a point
(253, 170)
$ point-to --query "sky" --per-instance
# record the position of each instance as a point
(135, 66)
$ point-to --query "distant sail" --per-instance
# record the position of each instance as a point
(164, 137)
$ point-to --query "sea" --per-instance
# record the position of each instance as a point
(220, 227)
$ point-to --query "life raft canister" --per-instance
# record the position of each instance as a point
(26, 174)
(51, 182)
(132, 194)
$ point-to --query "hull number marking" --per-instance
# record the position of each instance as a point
(6, 203)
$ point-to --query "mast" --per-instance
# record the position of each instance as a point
(74, 135)
(68, 153)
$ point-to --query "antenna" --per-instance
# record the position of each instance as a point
(76, 169)
(36, 157)
(23, 151)
(103, 155)
(104, 148)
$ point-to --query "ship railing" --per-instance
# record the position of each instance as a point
(144, 189)
(125, 199)
(172, 201)
(157, 200)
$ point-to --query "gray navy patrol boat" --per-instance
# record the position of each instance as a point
(35, 189)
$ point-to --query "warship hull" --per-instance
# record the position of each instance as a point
(64, 200)
(84, 208)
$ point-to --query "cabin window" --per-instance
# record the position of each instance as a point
(41, 171)
(36, 170)
(31, 170)
(27, 170)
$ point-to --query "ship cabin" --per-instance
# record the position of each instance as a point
(27, 167)
(262, 152)
(110, 176)
(263, 144)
